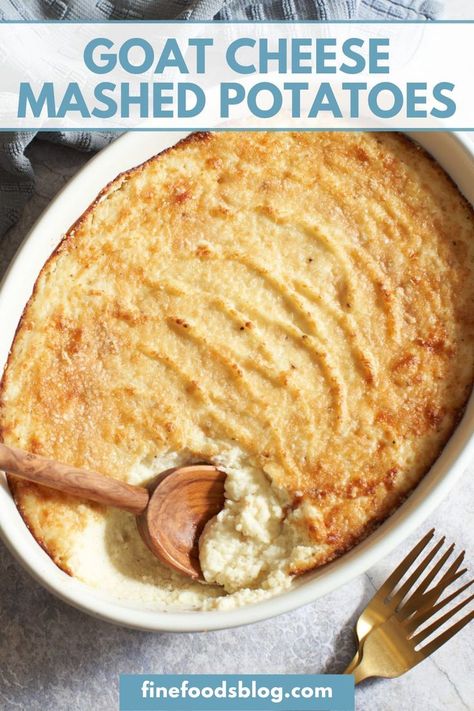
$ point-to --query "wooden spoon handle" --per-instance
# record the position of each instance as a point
(87, 485)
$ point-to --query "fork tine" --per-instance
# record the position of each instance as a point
(401, 569)
(428, 609)
(448, 579)
(445, 636)
(439, 622)
(450, 576)
(434, 571)
(415, 576)
(429, 599)
(452, 571)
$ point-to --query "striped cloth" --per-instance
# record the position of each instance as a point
(17, 180)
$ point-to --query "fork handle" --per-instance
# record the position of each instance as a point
(361, 671)
(353, 663)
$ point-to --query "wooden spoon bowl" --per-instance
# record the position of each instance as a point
(171, 513)
(182, 501)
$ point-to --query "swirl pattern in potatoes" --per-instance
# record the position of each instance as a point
(296, 307)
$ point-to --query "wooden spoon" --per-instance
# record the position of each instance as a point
(170, 514)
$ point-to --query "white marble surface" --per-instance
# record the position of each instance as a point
(53, 657)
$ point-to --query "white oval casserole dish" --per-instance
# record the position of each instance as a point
(456, 156)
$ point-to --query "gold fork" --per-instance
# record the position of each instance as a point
(386, 629)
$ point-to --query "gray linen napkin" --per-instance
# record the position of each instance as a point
(17, 178)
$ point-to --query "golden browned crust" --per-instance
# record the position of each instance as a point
(308, 297)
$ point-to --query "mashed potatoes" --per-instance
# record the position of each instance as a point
(254, 541)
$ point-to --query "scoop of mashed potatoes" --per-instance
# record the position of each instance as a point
(253, 542)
